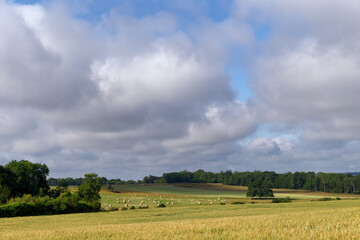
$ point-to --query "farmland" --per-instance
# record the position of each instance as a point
(305, 217)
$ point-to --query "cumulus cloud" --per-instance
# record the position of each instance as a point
(263, 146)
(125, 91)
(127, 96)
(307, 78)
(314, 81)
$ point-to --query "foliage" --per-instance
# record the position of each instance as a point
(260, 188)
(151, 179)
(281, 200)
(39, 200)
(78, 181)
(90, 188)
(30, 206)
(176, 177)
(238, 202)
(5, 194)
(325, 182)
(69, 181)
(30, 177)
(55, 192)
(7, 184)
(325, 199)
(22, 177)
(161, 205)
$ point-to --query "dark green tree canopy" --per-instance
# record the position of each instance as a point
(259, 188)
(24, 177)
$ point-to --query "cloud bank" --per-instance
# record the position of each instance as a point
(126, 96)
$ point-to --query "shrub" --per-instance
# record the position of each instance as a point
(18, 209)
(132, 207)
(222, 203)
(281, 200)
(338, 198)
(162, 205)
(124, 208)
(325, 199)
(238, 202)
(30, 206)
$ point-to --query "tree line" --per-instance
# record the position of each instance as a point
(78, 181)
(323, 182)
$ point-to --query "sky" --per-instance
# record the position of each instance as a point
(128, 88)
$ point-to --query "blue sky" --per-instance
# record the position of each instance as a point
(130, 88)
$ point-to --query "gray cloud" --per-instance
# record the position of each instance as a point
(146, 96)
(312, 79)
(128, 96)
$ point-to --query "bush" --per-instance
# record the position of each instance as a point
(132, 207)
(32, 206)
(325, 199)
(238, 202)
(18, 209)
(124, 208)
(281, 200)
(162, 205)
(338, 198)
(222, 203)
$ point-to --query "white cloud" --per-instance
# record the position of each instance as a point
(145, 95)
(263, 146)
(126, 91)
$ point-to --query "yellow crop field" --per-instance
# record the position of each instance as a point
(300, 220)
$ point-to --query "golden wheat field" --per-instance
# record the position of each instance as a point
(319, 224)
(336, 219)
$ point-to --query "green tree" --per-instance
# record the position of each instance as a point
(260, 189)
(28, 177)
(90, 188)
(251, 191)
(266, 190)
(7, 184)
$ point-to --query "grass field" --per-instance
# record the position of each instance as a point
(301, 219)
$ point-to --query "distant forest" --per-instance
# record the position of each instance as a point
(323, 182)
